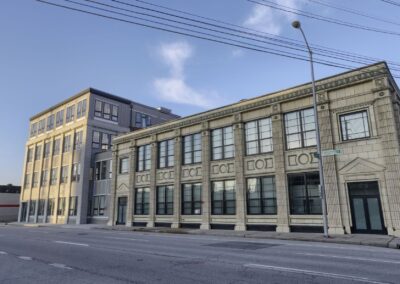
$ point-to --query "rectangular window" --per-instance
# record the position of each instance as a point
(81, 109)
(102, 170)
(76, 172)
(42, 126)
(258, 136)
(165, 200)
(64, 174)
(192, 149)
(222, 143)
(50, 207)
(166, 153)
(354, 125)
(98, 205)
(105, 141)
(61, 206)
(70, 114)
(38, 152)
(261, 196)
(106, 111)
(98, 109)
(300, 129)
(53, 176)
(144, 158)
(191, 199)
(32, 208)
(114, 113)
(44, 178)
(56, 147)
(78, 140)
(96, 140)
(124, 165)
(50, 122)
(33, 131)
(46, 149)
(29, 155)
(142, 197)
(35, 179)
(73, 202)
(41, 207)
(59, 118)
(27, 180)
(142, 120)
(223, 198)
(304, 194)
(67, 144)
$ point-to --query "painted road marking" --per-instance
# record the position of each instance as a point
(129, 239)
(3, 252)
(25, 257)
(60, 265)
(351, 258)
(70, 243)
(314, 273)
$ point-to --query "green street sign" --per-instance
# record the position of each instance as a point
(332, 152)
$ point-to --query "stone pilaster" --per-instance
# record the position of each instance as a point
(240, 180)
(131, 190)
(335, 222)
(282, 192)
(69, 184)
(153, 183)
(177, 181)
(113, 213)
(205, 191)
(50, 166)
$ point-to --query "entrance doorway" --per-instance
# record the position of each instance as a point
(366, 210)
(121, 212)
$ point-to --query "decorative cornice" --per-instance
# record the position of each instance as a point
(353, 77)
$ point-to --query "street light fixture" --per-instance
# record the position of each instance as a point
(297, 25)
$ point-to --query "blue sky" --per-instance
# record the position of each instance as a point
(48, 54)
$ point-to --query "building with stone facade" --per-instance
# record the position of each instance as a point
(252, 165)
(59, 183)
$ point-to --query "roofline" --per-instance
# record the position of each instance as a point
(127, 135)
(99, 93)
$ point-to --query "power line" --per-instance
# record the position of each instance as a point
(353, 11)
(321, 18)
(216, 39)
(391, 2)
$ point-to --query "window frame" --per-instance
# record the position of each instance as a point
(61, 209)
(170, 143)
(224, 200)
(192, 151)
(144, 161)
(261, 199)
(302, 131)
(342, 136)
(121, 170)
(258, 140)
(142, 204)
(64, 175)
(192, 202)
(167, 206)
(306, 196)
(73, 210)
(223, 145)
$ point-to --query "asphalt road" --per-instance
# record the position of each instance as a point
(60, 255)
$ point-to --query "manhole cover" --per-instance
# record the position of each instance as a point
(242, 245)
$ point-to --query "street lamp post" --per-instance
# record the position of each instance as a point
(297, 25)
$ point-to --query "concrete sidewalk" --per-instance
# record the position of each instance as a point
(355, 239)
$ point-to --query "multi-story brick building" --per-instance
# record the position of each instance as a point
(59, 181)
(252, 164)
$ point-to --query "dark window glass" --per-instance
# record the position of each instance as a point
(53, 176)
(191, 199)
(300, 129)
(76, 172)
(114, 113)
(142, 120)
(354, 125)
(30, 155)
(73, 202)
(56, 147)
(67, 144)
(192, 149)
(124, 165)
(78, 140)
(106, 111)
(50, 207)
(105, 141)
(81, 109)
(142, 197)
(41, 126)
(64, 174)
(258, 136)
(70, 113)
(34, 129)
(60, 118)
(166, 153)
(222, 143)
(41, 207)
(44, 177)
(304, 194)
(144, 158)
(261, 195)
(96, 140)
(223, 198)
(165, 200)
(61, 206)
(98, 108)
(32, 208)
(50, 122)
(98, 205)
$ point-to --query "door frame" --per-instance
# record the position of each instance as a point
(118, 210)
(366, 211)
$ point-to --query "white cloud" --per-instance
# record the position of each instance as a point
(175, 88)
(268, 20)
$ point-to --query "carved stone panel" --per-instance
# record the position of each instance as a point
(191, 172)
(222, 169)
(165, 176)
(142, 178)
(259, 164)
(301, 159)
